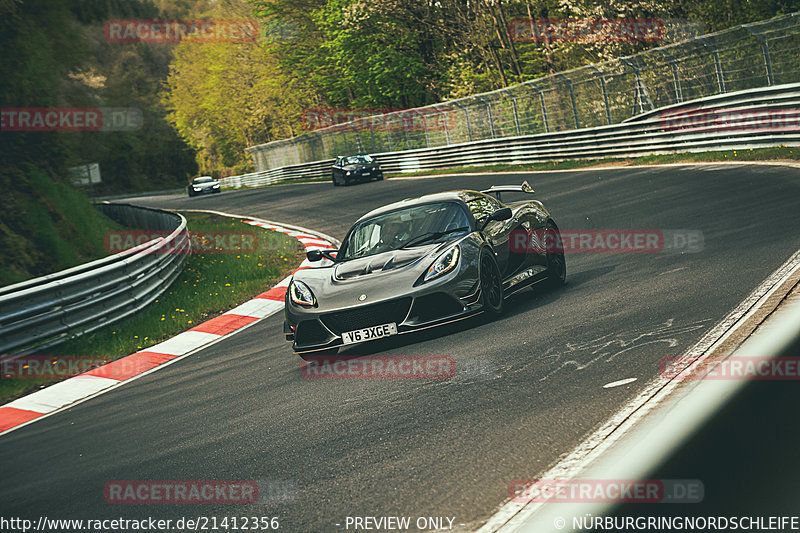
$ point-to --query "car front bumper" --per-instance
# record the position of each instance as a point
(438, 305)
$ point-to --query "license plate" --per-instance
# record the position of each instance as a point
(368, 334)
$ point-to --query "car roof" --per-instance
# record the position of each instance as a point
(461, 196)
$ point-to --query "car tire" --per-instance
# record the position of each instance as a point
(491, 286)
(335, 183)
(311, 356)
(556, 264)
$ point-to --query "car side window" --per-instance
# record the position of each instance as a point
(483, 206)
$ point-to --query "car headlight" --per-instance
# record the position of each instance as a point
(443, 264)
(347, 173)
(301, 294)
(215, 186)
(196, 188)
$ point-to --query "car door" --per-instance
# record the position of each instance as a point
(497, 232)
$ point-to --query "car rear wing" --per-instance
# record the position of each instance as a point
(497, 189)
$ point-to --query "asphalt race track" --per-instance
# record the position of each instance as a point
(528, 386)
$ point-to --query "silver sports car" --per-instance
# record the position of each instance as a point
(419, 263)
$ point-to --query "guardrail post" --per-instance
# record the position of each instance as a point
(605, 91)
(717, 64)
(571, 96)
(765, 51)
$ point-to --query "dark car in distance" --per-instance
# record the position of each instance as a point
(362, 167)
(203, 185)
(419, 263)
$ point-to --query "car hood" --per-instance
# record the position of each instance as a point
(384, 262)
(205, 185)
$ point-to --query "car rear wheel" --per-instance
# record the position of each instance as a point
(556, 265)
(491, 286)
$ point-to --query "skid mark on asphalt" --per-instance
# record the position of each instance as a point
(605, 349)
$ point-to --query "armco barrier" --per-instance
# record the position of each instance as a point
(43, 312)
(650, 133)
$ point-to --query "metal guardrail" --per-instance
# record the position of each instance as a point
(42, 312)
(727, 121)
(737, 59)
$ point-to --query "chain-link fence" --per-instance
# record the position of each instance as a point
(754, 55)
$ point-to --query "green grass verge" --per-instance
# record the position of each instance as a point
(778, 153)
(209, 285)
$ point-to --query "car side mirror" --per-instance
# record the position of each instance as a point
(316, 254)
(504, 213)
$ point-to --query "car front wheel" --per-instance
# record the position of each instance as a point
(491, 286)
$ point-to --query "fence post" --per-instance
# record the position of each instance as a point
(641, 89)
(425, 124)
(508, 94)
(388, 133)
(469, 128)
(676, 82)
(717, 64)
(446, 128)
(372, 134)
(489, 113)
(571, 96)
(544, 107)
(605, 91)
(765, 51)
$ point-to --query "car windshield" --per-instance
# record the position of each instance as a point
(424, 224)
(204, 179)
(357, 160)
